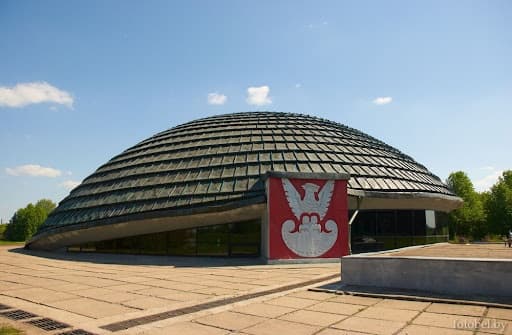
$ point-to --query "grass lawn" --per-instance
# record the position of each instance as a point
(3, 242)
(8, 330)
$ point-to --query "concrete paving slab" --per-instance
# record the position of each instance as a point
(494, 326)
(500, 313)
(92, 308)
(320, 296)
(336, 308)
(355, 300)
(456, 309)
(230, 320)
(70, 287)
(313, 318)
(8, 286)
(119, 297)
(187, 328)
(174, 285)
(291, 302)
(371, 326)
(445, 320)
(185, 296)
(128, 287)
(39, 295)
(150, 302)
(332, 331)
(274, 326)
(403, 304)
(401, 315)
(427, 330)
(218, 291)
(264, 310)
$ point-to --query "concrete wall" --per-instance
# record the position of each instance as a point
(466, 277)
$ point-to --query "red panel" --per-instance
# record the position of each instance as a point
(308, 218)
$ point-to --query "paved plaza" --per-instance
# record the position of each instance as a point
(170, 296)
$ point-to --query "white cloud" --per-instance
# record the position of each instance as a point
(217, 99)
(382, 100)
(33, 93)
(486, 182)
(69, 184)
(258, 96)
(33, 170)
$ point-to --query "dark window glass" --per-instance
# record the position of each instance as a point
(153, 244)
(419, 223)
(182, 242)
(106, 246)
(234, 239)
(245, 238)
(404, 223)
(213, 240)
(386, 223)
(364, 224)
(127, 245)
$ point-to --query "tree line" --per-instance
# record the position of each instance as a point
(483, 215)
(25, 221)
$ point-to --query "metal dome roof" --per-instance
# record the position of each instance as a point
(219, 161)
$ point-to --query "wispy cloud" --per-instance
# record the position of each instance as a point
(24, 94)
(69, 184)
(382, 100)
(33, 170)
(298, 85)
(486, 182)
(258, 96)
(217, 99)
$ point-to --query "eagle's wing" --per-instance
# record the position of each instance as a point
(324, 198)
(293, 197)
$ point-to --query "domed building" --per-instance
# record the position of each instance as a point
(201, 188)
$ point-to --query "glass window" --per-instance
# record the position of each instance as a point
(153, 244)
(420, 224)
(213, 240)
(234, 239)
(386, 223)
(182, 242)
(404, 223)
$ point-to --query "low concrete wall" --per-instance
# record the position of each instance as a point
(455, 276)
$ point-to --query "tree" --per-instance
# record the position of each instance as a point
(499, 205)
(26, 221)
(468, 220)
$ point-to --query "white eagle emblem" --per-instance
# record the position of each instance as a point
(309, 235)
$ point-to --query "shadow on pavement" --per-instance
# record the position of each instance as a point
(129, 259)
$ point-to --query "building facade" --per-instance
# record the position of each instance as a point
(203, 189)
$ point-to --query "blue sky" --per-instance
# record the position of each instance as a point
(80, 81)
